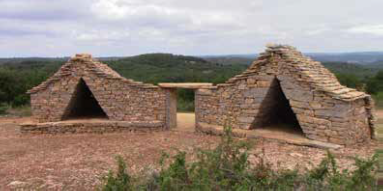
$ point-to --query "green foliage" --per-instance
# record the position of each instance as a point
(119, 181)
(185, 101)
(9, 87)
(375, 87)
(360, 71)
(375, 84)
(350, 80)
(17, 77)
(378, 99)
(227, 167)
(185, 105)
(155, 68)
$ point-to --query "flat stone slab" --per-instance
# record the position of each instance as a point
(185, 85)
(293, 139)
(90, 126)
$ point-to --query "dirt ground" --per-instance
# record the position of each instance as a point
(79, 161)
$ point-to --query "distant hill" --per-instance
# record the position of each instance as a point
(360, 70)
(353, 57)
(161, 67)
(377, 64)
(364, 58)
(151, 68)
(230, 60)
(353, 69)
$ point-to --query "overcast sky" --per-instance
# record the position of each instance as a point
(192, 27)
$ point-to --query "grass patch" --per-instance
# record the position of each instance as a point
(3, 108)
(20, 111)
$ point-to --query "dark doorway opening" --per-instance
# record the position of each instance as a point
(279, 115)
(83, 104)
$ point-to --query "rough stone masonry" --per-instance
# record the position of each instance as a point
(281, 83)
(119, 99)
(325, 110)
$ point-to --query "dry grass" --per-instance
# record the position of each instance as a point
(22, 111)
(77, 162)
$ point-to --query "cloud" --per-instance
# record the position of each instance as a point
(126, 27)
(43, 9)
(367, 29)
(94, 35)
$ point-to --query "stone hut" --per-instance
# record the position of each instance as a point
(84, 88)
(283, 86)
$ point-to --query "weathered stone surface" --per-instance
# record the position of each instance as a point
(90, 127)
(121, 99)
(185, 85)
(326, 110)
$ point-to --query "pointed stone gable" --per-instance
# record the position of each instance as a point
(326, 110)
(120, 98)
(84, 63)
(305, 69)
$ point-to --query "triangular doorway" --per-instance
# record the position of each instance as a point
(83, 104)
(278, 114)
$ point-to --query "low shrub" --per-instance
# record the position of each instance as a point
(227, 167)
(119, 180)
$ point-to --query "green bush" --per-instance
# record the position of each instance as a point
(185, 100)
(375, 83)
(227, 167)
(185, 106)
(378, 98)
(119, 180)
(20, 100)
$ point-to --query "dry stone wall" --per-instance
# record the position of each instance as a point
(90, 127)
(326, 111)
(121, 99)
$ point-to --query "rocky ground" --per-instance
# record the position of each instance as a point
(78, 162)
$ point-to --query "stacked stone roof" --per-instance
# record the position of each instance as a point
(313, 72)
(92, 66)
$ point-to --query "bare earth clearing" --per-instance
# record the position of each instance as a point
(77, 162)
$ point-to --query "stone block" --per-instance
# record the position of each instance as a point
(245, 119)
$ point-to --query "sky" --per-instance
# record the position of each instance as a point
(54, 28)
